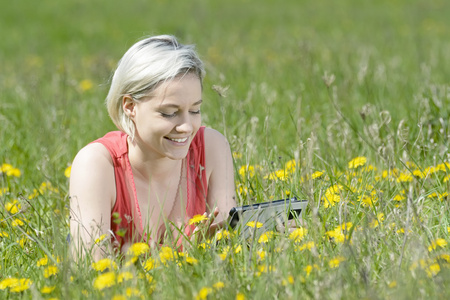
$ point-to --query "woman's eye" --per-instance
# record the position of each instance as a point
(168, 115)
(197, 112)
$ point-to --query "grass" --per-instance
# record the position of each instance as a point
(320, 83)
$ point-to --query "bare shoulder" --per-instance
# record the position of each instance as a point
(217, 149)
(92, 173)
(214, 139)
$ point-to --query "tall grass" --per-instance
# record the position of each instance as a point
(316, 82)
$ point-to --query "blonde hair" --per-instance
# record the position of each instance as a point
(146, 64)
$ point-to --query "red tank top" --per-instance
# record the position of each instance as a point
(126, 219)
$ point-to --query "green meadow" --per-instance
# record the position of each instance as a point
(343, 103)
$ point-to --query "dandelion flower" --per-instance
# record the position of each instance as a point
(433, 270)
(334, 262)
(86, 85)
(130, 292)
(47, 289)
(13, 207)
(50, 271)
(101, 238)
(138, 249)
(254, 224)
(104, 264)
(21, 285)
(316, 174)
(219, 285)
(7, 282)
(197, 219)
(124, 276)
(438, 242)
(67, 171)
(149, 264)
(240, 296)
(265, 237)
(104, 281)
(357, 162)
(43, 261)
(166, 254)
(203, 293)
(298, 234)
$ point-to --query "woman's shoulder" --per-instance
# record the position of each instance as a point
(216, 149)
(93, 154)
(214, 138)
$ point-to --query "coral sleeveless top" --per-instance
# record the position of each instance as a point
(126, 219)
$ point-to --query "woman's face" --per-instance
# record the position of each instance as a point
(168, 119)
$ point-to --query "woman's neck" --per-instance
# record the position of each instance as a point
(150, 166)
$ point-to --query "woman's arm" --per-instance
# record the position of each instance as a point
(220, 172)
(92, 194)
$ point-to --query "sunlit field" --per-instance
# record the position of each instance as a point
(341, 103)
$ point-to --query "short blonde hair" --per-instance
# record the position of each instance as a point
(146, 64)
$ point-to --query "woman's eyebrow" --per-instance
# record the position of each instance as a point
(177, 106)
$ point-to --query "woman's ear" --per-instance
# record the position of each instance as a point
(129, 106)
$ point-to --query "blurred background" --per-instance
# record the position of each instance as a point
(341, 77)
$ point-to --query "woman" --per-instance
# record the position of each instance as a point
(146, 181)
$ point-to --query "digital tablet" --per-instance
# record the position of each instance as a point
(268, 214)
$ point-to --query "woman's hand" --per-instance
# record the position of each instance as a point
(207, 228)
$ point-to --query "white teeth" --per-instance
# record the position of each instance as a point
(179, 140)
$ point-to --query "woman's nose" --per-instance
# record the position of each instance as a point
(185, 125)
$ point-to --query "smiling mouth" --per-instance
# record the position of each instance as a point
(178, 140)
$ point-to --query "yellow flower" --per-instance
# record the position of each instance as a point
(67, 171)
(13, 207)
(4, 234)
(308, 269)
(197, 219)
(104, 264)
(138, 248)
(7, 282)
(119, 297)
(298, 234)
(166, 254)
(124, 276)
(404, 177)
(149, 264)
(238, 249)
(265, 237)
(433, 270)
(86, 85)
(191, 260)
(222, 234)
(377, 221)
(104, 281)
(240, 296)
(392, 284)
(101, 238)
(43, 261)
(254, 224)
(3, 191)
(290, 166)
(316, 174)
(17, 222)
(219, 285)
(356, 162)
(244, 170)
(47, 289)
(9, 170)
(132, 292)
(203, 293)
(21, 285)
(50, 270)
(438, 242)
(237, 155)
(334, 262)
